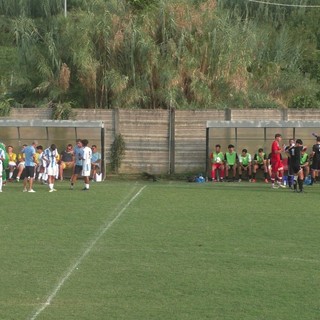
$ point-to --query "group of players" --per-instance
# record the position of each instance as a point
(271, 165)
(46, 164)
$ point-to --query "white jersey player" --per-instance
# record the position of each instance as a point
(50, 157)
(86, 163)
(2, 158)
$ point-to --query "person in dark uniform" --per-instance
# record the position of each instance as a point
(288, 150)
(315, 155)
(295, 156)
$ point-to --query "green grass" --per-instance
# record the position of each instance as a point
(176, 251)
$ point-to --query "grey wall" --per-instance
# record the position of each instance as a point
(162, 141)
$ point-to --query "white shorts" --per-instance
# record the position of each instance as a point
(51, 171)
(85, 173)
(12, 163)
(21, 164)
(1, 168)
(86, 170)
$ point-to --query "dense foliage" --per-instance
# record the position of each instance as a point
(160, 54)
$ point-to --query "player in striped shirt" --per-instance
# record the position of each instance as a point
(86, 163)
(51, 156)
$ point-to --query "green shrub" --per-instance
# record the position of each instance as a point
(5, 106)
(118, 148)
(62, 111)
(302, 102)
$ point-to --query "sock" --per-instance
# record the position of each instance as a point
(86, 185)
(50, 186)
(10, 175)
(254, 175)
(265, 175)
(300, 182)
(0, 183)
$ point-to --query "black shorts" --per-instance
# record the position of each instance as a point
(260, 166)
(29, 172)
(77, 169)
(315, 164)
(295, 168)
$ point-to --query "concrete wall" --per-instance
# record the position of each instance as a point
(162, 141)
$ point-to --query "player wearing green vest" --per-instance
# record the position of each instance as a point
(260, 162)
(304, 162)
(245, 164)
(5, 162)
(217, 164)
(231, 160)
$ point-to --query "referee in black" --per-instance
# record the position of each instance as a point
(295, 155)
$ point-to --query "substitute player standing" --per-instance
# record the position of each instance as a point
(50, 156)
(77, 160)
(276, 162)
(30, 163)
(86, 163)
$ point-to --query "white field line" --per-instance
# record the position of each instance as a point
(88, 249)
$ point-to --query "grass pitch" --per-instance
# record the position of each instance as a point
(136, 250)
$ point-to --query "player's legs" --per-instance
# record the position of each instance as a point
(86, 176)
(234, 171)
(221, 172)
(213, 171)
(300, 179)
(20, 170)
(1, 171)
(76, 171)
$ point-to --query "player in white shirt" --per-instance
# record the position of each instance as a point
(51, 156)
(86, 163)
(2, 158)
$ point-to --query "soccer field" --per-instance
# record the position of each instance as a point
(163, 250)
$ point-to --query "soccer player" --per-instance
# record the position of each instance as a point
(2, 159)
(276, 162)
(315, 155)
(95, 161)
(289, 150)
(86, 163)
(260, 162)
(30, 156)
(304, 162)
(77, 159)
(245, 164)
(21, 162)
(217, 163)
(12, 161)
(51, 156)
(66, 160)
(42, 175)
(295, 158)
(231, 159)
(5, 163)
